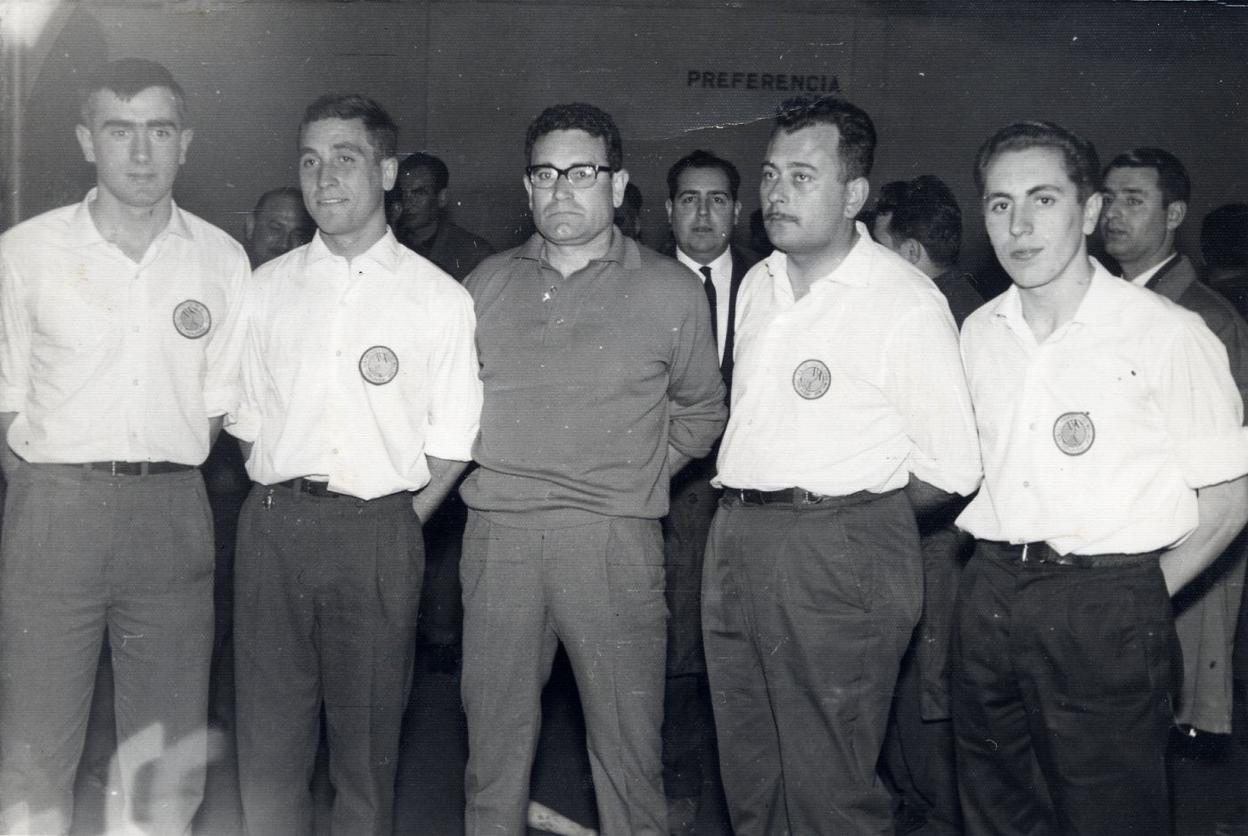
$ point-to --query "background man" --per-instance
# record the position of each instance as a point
(600, 383)
(1224, 248)
(1146, 193)
(1113, 474)
(360, 403)
(924, 226)
(277, 225)
(849, 413)
(121, 332)
(422, 186)
(703, 209)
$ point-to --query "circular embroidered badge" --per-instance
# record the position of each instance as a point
(379, 365)
(811, 379)
(1073, 433)
(192, 319)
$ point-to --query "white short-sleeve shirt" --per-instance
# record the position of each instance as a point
(356, 370)
(104, 358)
(853, 387)
(1096, 439)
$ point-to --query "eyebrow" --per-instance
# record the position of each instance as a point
(1043, 187)
(683, 192)
(153, 123)
(337, 146)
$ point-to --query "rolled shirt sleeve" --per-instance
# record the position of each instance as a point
(1202, 408)
(455, 385)
(927, 386)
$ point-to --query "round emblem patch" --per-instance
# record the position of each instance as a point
(1073, 433)
(811, 379)
(192, 319)
(379, 365)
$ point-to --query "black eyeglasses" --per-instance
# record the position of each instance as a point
(579, 176)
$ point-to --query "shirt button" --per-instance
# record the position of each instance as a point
(135, 381)
(337, 353)
(1026, 484)
(1032, 426)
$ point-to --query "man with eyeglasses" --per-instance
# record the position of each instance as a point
(601, 380)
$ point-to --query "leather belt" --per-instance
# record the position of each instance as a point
(796, 496)
(124, 468)
(312, 487)
(1043, 553)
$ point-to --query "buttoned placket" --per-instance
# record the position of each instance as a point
(345, 367)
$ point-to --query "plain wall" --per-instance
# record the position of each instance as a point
(463, 79)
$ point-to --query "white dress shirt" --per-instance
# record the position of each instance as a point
(356, 370)
(721, 278)
(1096, 439)
(104, 358)
(855, 386)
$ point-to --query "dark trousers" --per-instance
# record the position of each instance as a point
(84, 553)
(326, 591)
(918, 753)
(806, 612)
(689, 759)
(1063, 680)
(598, 589)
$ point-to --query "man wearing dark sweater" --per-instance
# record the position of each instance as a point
(601, 380)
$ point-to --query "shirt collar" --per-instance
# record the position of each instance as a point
(86, 232)
(622, 250)
(384, 252)
(1143, 279)
(1100, 305)
(854, 270)
(721, 266)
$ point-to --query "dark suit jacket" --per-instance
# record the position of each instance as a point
(742, 261)
(1206, 609)
(456, 250)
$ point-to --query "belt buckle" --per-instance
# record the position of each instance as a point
(1023, 556)
(112, 467)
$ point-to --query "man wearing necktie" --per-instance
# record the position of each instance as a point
(702, 208)
(1146, 197)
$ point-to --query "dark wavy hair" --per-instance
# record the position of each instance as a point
(383, 134)
(857, 132)
(576, 116)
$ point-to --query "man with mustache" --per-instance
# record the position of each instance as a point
(1146, 195)
(850, 415)
(601, 381)
(1114, 462)
(360, 402)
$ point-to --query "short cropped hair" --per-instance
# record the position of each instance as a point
(419, 160)
(576, 116)
(1078, 154)
(702, 159)
(1224, 237)
(1171, 175)
(128, 77)
(382, 132)
(857, 133)
(928, 212)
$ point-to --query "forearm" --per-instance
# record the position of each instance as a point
(1223, 511)
(443, 474)
(8, 459)
(932, 506)
(214, 429)
(676, 460)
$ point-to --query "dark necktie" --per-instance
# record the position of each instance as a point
(709, 286)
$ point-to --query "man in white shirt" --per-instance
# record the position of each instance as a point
(849, 414)
(360, 403)
(703, 209)
(122, 330)
(1114, 467)
(1146, 195)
